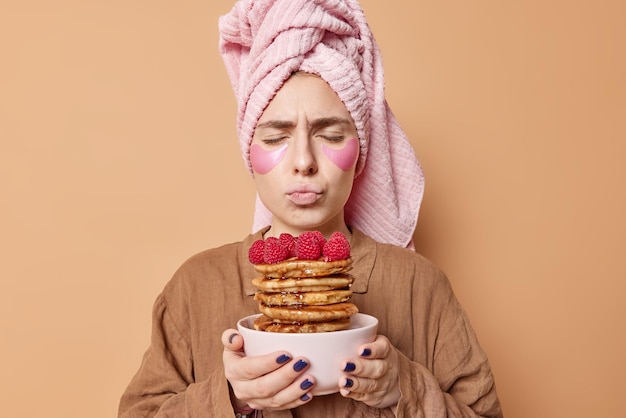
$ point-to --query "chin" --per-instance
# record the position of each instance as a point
(321, 223)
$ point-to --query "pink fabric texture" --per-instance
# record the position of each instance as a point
(263, 41)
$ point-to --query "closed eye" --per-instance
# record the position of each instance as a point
(274, 140)
(332, 138)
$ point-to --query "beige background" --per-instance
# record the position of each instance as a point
(118, 160)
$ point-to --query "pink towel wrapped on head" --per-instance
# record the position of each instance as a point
(263, 42)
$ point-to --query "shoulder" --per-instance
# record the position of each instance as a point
(211, 258)
(390, 256)
(205, 283)
(219, 266)
(402, 264)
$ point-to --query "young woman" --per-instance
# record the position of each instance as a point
(326, 154)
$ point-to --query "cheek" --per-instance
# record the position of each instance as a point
(345, 157)
(263, 161)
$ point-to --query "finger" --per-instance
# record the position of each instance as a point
(295, 394)
(354, 386)
(361, 397)
(232, 340)
(248, 368)
(369, 391)
(379, 348)
(372, 369)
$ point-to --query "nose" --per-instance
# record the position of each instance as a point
(304, 161)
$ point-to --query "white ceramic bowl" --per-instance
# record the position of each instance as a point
(325, 350)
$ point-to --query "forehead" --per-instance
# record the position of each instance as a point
(304, 94)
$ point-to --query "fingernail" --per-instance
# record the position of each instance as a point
(366, 352)
(350, 367)
(305, 397)
(300, 364)
(232, 337)
(306, 384)
(283, 358)
(348, 383)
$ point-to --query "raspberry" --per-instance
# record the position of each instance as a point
(274, 252)
(289, 242)
(336, 248)
(293, 249)
(320, 239)
(255, 254)
(307, 246)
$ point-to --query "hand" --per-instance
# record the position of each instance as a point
(373, 377)
(270, 382)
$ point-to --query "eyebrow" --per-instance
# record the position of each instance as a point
(330, 121)
(316, 124)
(278, 124)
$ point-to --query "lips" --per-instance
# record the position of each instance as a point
(303, 194)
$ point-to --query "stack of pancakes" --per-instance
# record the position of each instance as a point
(303, 296)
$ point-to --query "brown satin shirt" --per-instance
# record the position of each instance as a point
(443, 370)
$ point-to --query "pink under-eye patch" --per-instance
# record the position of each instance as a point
(345, 157)
(263, 161)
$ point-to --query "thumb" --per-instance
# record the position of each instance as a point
(232, 340)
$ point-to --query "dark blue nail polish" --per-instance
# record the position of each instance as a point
(366, 352)
(300, 364)
(350, 367)
(283, 358)
(306, 384)
(348, 383)
(305, 397)
(232, 337)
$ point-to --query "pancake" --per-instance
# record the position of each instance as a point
(307, 284)
(264, 323)
(327, 297)
(306, 314)
(298, 294)
(303, 268)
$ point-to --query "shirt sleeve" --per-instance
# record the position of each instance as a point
(165, 386)
(460, 383)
